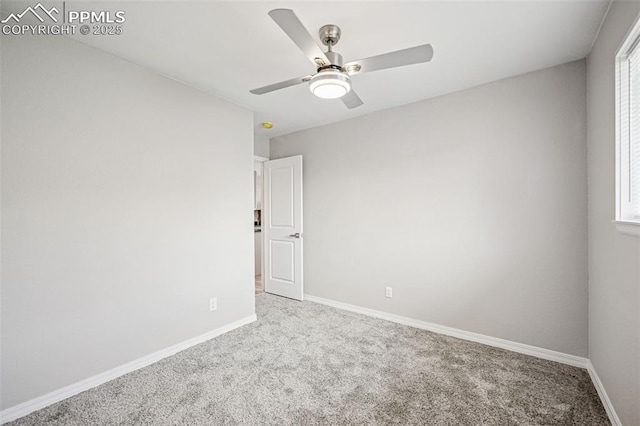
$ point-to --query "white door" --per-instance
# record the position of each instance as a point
(282, 227)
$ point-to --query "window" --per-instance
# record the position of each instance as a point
(628, 134)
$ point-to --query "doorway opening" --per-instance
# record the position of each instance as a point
(257, 221)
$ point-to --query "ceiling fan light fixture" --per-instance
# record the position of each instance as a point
(330, 84)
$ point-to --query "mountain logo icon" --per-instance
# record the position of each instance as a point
(34, 11)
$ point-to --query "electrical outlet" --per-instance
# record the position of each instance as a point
(213, 304)
(388, 292)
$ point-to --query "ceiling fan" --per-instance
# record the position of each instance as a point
(332, 79)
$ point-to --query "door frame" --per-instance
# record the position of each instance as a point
(259, 159)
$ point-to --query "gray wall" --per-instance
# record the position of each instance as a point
(261, 146)
(614, 259)
(126, 205)
(472, 206)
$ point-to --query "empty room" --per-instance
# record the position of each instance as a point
(320, 212)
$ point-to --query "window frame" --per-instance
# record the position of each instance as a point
(623, 223)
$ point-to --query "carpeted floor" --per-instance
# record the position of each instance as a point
(309, 364)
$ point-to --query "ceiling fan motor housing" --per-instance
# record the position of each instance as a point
(335, 60)
(331, 81)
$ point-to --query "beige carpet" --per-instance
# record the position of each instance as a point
(309, 364)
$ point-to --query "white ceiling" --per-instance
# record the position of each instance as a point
(228, 48)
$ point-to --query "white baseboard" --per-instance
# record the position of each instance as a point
(547, 354)
(40, 402)
(611, 412)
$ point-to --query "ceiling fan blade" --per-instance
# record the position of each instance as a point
(399, 58)
(280, 85)
(351, 100)
(291, 25)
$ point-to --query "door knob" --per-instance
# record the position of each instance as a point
(296, 235)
